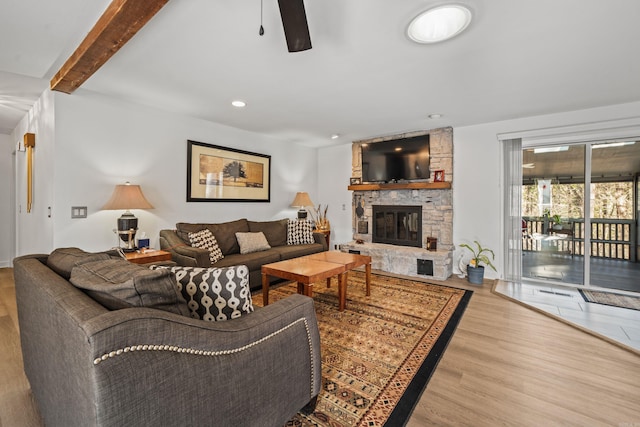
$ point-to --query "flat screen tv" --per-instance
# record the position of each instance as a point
(405, 159)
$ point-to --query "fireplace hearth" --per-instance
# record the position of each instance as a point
(397, 225)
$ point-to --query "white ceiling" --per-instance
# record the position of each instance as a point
(362, 78)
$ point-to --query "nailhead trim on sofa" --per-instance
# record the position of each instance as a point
(178, 349)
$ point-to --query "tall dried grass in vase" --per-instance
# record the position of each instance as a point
(319, 216)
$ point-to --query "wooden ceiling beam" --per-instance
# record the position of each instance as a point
(120, 21)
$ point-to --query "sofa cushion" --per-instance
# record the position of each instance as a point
(117, 284)
(295, 251)
(225, 233)
(204, 239)
(252, 242)
(214, 294)
(299, 232)
(254, 261)
(274, 231)
(62, 260)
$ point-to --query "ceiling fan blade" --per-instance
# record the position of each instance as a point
(294, 22)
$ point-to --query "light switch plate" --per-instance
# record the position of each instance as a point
(78, 212)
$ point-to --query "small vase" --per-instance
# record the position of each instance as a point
(323, 224)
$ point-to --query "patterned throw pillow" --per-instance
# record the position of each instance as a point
(205, 239)
(252, 242)
(214, 294)
(300, 232)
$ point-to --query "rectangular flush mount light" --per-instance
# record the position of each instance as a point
(550, 149)
(613, 144)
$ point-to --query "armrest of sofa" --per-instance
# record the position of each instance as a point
(322, 239)
(182, 253)
(259, 369)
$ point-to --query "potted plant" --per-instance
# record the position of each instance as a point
(475, 269)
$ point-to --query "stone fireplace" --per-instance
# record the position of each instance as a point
(432, 200)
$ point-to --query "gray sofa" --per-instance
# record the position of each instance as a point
(91, 366)
(177, 242)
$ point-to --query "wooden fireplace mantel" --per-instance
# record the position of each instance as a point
(402, 186)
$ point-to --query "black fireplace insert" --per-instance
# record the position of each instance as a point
(397, 225)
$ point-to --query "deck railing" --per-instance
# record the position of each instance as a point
(610, 238)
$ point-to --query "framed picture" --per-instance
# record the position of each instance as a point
(438, 176)
(355, 181)
(221, 174)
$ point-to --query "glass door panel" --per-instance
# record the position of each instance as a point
(553, 200)
(401, 226)
(612, 209)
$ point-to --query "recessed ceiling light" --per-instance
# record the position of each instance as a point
(335, 136)
(435, 116)
(239, 103)
(439, 23)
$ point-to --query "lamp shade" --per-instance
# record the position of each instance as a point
(127, 197)
(302, 200)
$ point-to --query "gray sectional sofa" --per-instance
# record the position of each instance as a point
(89, 365)
(276, 232)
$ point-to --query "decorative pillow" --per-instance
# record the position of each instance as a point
(117, 283)
(205, 239)
(214, 294)
(300, 232)
(252, 242)
(62, 260)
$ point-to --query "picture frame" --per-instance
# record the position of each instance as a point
(355, 181)
(223, 174)
(438, 176)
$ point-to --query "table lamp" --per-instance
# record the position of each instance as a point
(302, 200)
(127, 197)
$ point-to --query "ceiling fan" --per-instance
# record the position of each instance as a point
(294, 22)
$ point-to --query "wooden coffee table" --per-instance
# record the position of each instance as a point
(309, 269)
(350, 261)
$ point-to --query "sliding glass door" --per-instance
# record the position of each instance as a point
(612, 209)
(579, 213)
(553, 212)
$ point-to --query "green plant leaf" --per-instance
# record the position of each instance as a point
(479, 254)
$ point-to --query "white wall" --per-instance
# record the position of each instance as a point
(101, 142)
(477, 187)
(334, 169)
(7, 148)
(34, 230)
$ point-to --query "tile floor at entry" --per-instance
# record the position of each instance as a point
(619, 324)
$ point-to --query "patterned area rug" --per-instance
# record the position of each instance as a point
(379, 353)
(610, 298)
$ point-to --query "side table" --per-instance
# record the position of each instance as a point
(326, 233)
(148, 256)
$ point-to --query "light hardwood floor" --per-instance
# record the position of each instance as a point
(506, 365)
